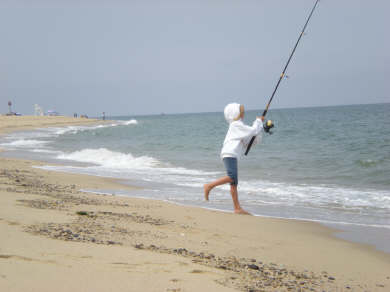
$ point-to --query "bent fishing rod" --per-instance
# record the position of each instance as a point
(267, 127)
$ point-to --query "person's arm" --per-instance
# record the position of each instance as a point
(258, 125)
(240, 131)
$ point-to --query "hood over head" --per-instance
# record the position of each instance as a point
(232, 112)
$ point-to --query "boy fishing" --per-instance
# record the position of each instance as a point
(236, 141)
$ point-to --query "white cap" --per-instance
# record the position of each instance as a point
(232, 112)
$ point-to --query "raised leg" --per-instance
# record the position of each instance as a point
(218, 182)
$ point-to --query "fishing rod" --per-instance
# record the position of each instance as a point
(268, 126)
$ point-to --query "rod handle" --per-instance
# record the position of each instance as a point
(250, 145)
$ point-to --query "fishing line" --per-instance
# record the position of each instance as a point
(269, 124)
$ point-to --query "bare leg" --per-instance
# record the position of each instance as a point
(236, 203)
(218, 182)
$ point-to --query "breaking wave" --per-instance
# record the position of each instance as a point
(110, 159)
(24, 143)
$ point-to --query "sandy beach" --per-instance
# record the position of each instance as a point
(16, 123)
(56, 237)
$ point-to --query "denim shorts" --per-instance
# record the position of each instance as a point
(231, 169)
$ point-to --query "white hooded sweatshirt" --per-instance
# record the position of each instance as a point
(238, 134)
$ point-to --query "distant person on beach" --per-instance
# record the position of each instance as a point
(236, 141)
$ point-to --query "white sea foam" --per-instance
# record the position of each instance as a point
(28, 139)
(61, 131)
(110, 159)
(46, 151)
(257, 192)
(75, 129)
(262, 193)
(129, 122)
(24, 143)
(148, 166)
(332, 197)
(181, 184)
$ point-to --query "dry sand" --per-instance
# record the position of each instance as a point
(15, 123)
(55, 238)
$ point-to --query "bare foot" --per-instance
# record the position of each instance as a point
(207, 190)
(241, 212)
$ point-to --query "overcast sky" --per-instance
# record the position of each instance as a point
(148, 57)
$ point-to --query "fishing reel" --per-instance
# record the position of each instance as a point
(268, 126)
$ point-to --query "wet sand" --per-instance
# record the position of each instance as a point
(54, 237)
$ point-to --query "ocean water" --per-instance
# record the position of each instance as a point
(326, 164)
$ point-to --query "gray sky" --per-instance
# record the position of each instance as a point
(148, 57)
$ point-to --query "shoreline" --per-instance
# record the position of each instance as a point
(352, 232)
(200, 247)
